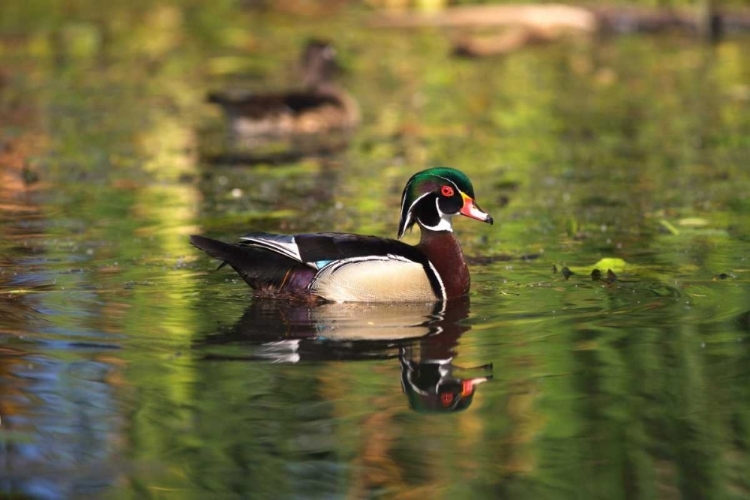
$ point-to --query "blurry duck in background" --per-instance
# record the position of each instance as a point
(320, 106)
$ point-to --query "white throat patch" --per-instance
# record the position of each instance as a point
(445, 223)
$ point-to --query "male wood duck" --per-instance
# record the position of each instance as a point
(341, 267)
(319, 106)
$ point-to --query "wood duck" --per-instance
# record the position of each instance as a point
(342, 267)
(319, 106)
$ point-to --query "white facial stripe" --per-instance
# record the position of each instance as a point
(406, 189)
(406, 224)
(403, 199)
(417, 201)
(444, 224)
(448, 180)
(408, 214)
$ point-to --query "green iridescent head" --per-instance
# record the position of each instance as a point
(432, 197)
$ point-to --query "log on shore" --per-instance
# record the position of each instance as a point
(509, 41)
(547, 17)
(537, 16)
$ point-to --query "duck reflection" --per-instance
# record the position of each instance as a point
(423, 337)
(435, 384)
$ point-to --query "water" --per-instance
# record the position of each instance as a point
(131, 368)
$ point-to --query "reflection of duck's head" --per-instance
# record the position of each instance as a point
(432, 386)
(452, 396)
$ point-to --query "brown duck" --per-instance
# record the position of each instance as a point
(320, 106)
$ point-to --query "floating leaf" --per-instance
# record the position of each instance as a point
(613, 263)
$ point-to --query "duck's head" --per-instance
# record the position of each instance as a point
(318, 63)
(432, 197)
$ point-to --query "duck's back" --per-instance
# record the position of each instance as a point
(285, 113)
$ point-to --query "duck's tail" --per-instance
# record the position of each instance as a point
(260, 268)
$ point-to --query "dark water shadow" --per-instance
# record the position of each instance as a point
(424, 338)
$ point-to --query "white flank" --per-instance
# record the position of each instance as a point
(390, 278)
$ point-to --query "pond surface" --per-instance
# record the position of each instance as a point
(131, 368)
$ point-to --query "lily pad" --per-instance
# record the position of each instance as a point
(612, 264)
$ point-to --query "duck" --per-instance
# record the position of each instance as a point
(344, 267)
(319, 106)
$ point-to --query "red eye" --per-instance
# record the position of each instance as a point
(446, 191)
